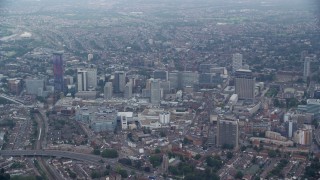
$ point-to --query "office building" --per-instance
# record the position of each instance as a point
(87, 79)
(228, 133)
(119, 81)
(290, 129)
(303, 137)
(35, 86)
(82, 80)
(160, 74)
(108, 90)
(90, 57)
(58, 73)
(179, 80)
(312, 107)
(128, 90)
(15, 86)
(306, 67)
(91, 78)
(155, 91)
(244, 84)
(236, 62)
(99, 118)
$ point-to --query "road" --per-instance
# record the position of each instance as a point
(55, 153)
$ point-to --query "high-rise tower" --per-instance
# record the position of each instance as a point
(306, 67)
(58, 73)
(244, 84)
(119, 81)
(236, 62)
(228, 133)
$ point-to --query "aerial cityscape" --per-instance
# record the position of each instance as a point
(159, 89)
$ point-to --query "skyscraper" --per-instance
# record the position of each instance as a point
(155, 91)
(228, 133)
(87, 79)
(244, 84)
(82, 80)
(306, 67)
(128, 90)
(119, 81)
(58, 73)
(236, 62)
(108, 90)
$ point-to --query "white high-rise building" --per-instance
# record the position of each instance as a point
(236, 62)
(306, 67)
(91, 78)
(87, 79)
(82, 80)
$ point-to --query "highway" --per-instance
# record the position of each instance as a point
(62, 154)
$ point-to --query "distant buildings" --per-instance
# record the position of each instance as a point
(15, 86)
(108, 90)
(99, 118)
(119, 82)
(160, 74)
(306, 67)
(58, 73)
(35, 86)
(87, 79)
(303, 137)
(244, 84)
(228, 133)
(128, 90)
(90, 57)
(155, 91)
(181, 79)
(236, 62)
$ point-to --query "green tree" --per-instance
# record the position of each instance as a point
(272, 153)
(197, 157)
(239, 175)
(109, 153)
(96, 152)
(155, 160)
(229, 155)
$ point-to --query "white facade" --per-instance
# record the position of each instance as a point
(236, 62)
(90, 57)
(87, 79)
(82, 80)
(164, 117)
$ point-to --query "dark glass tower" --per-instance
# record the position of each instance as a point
(58, 73)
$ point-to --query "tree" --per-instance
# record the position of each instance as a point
(109, 153)
(157, 151)
(123, 173)
(155, 160)
(214, 162)
(229, 155)
(197, 157)
(272, 153)
(239, 175)
(96, 152)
